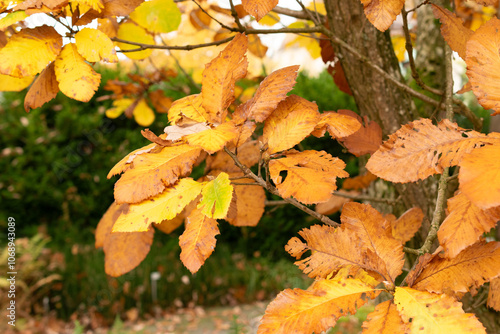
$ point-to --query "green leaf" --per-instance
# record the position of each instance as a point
(157, 16)
(217, 195)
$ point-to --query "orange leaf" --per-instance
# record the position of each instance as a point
(385, 319)
(44, 89)
(480, 261)
(407, 225)
(198, 240)
(248, 155)
(245, 131)
(483, 63)
(364, 141)
(119, 7)
(494, 294)
(375, 233)
(316, 309)
(464, 225)
(479, 176)
(249, 205)
(152, 173)
(311, 175)
(272, 90)
(337, 125)
(219, 78)
(334, 204)
(359, 182)
(256, 47)
(421, 149)
(258, 8)
(126, 162)
(453, 30)
(293, 120)
(213, 140)
(167, 226)
(160, 101)
(381, 13)
(187, 110)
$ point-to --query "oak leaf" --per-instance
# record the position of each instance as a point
(166, 205)
(311, 175)
(421, 149)
(404, 228)
(338, 125)
(94, 46)
(385, 319)
(430, 313)
(157, 16)
(152, 173)
(465, 224)
(453, 30)
(29, 51)
(44, 88)
(494, 294)
(292, 121)
(364, 141)
(381, 13)
(258, 8)
(216, 197)
(76, 78)
(480, 261)
(130, 31)
(316, 309)
(198, 240)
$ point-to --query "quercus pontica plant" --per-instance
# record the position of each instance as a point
(420, 251)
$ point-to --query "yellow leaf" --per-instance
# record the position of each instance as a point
(94, 46)
(219, 78)
(119, 106)
(258, 8)
(166, 205)
(464, 225)
(311, 175)
(385, 319)
(12, 18)
(399, 45)
(479, 176)
(305, 42)
(453, 30)
(130, 31)
(77, 79)
(154, 172)
(12, 84)
(404, 228)
(187, 110)
(337, 125)
(29, 51)
(213, 140)
(198, 240)
(430, 313)
(293, 120)
(381, 13)
(96, 5)
(316, 309)
(143, 114)
(421, 149)
(157, 16)
(44, 89)
(217, 195)
(126, 162)
(270, 19)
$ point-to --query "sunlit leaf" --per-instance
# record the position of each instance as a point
(216, 197)
(12, 84)
(338, 125)
(119, 7)
(94, 46)
(258, 8)
(187, 110)
(126, 162)
(157, 16)
(143, 114)
(12, 18)
(364, 141)
(213, 140)
(381, 13)
(404, 228)
(130, 31)
(119, 106)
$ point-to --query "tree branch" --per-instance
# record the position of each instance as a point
(298, 14)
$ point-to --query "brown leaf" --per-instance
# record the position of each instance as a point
(199, 19)
(335, 67)
(453, 30)
(381, 13)
(464, 225)
(385, 319)
(160, 101)
(43, 89)
(407, 225)
(250, 203)
(364, 141)
(258, 8)
(423, 261)
(494, 294)
(149, 135)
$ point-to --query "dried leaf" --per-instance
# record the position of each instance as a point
(381, 13)
(421, 149)
(364, 141)
(311, 175)
(434, 314)
(198, 240)
(94, 46)
(338, 125)
(175, 133)
(407, 225)
(44, 89)
(453, 30)
(160, 102)
(494, 294)
(217, 195)
(292, 121)
(316, 309)
(258, 8)
(385, 319)
(119, 7)
(157, 16)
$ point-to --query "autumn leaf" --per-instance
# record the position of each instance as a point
(404, 228)
(292, 121)
(316, 309)
(129, 31)
(29, 51)
(272, 90)
(44, 88)
(166, 205)
(258, 8)
(421, 149)
(94, 46)
(220, 75)
(143, 114)
(12, 18)
(385, 319)
(480, 261)
(333, 205)
(338, 125)
(119, 7)
(247, 154)
(216, 197)
(13, 84)
(364, 141)
(126, 162)
(152, 173)
(381, 13)
(453, 30)
(376, 234)
(198, 240)
(311, 175)
(76, 78)
(175, 133)
(187, 110)
(256, 47)
(167, 226)
(160, 102)
(430, 313)
(213, 140)
(359, 182)
(250, 203)
(465, 224)
(483, 63)
(479, 176)
(334, 66)
(199, 19)
(157, 16)
(494, 294)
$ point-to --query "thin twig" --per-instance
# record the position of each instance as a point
(234, 13)
(411, 251)
(209, 15)
(366, 198)
(308, 13)
(298, 14)
(418, 6)
(274, 203)
(143, 46)
(245, 184)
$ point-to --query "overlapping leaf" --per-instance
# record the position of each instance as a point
(157, 16)
(198, 240)
(29, 51)
(385, 319)
(453, 30)
(465, 224)
(187, 110)
(334, 204)
(217, 195)
(119, 7)
(44, 89)
(293, 120)
(480, 176)
(311, 175)
(126, 162)
(143, 114)
(152, 173)
(338, 125)
(404, 228)
(430, 313)
(480, 261)
(494, 294)
(316, 309)
(250, 203)
(12, 18)
(258, 8)
(247, 154)
(166, 205)
(381, 13)
(76, 78)
(213, 140)
(421, 149)
(364, 141)
(359, 182)
(94, 46)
